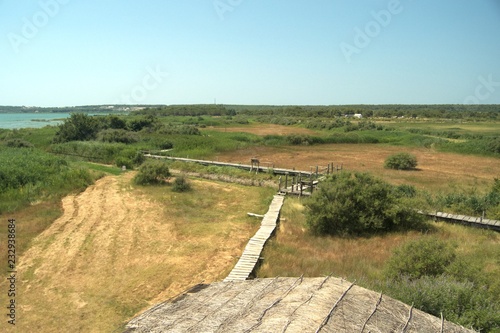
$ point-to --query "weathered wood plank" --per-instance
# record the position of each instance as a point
(251, 254)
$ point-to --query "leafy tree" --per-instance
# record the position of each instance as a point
(401, 161)
(78, 127)
(116, 122)
(152, 172)
(354, 204)
(148, 121)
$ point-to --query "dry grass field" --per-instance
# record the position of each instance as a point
(265, 129)
(436, 170)
(117, 249)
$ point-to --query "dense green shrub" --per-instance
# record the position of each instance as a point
(405, 190)
(471, 202)
(423, 257)
(114, 122)
(147, 122)
(461, 302)
(102, 152)
(429, 274)
(28, 175)
(401, 161)
(170, 129)
(494, 145)
(78, 127)
(121, 161)
(166, 145)
(181, 184)
(20, 167)
(18, 143)
(117, 135)
(135, 157)
(302, 139)
(152, 172)
(354, 204)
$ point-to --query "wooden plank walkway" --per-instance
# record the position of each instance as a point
(279, 171)
(248, 260)
(467, 220)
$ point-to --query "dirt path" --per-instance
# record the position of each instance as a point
(111, 254)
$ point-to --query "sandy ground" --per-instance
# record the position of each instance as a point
(110, 255)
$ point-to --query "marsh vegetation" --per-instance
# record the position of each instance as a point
(456, 147)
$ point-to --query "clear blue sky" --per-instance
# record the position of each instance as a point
(317, 52)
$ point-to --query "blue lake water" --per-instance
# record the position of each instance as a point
(37, 120)
(30, 120)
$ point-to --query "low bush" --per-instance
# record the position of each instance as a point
(302, 139)
(494, 145)
(422, 257)
(181, 184)
(461, 302)
(471, 202)
(102, 152)
(20, 167)
(401, 161)
(152, 172)
(18, 143)
(165, 145)
(28, 175)
(429, 274)
(121, 162)
(405, 190)
(170, 129)
(117, 135)
(356, 204)
(135, 157)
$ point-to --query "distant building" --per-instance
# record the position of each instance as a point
(356, 115)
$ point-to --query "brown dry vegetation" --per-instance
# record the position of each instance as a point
(436, 170)
(118, 249)
(266, 129)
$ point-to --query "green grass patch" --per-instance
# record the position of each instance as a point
(29, 175)
(99, 168)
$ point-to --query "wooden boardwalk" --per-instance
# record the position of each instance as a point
(279, 171)
(466, 220)
(251, 255)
